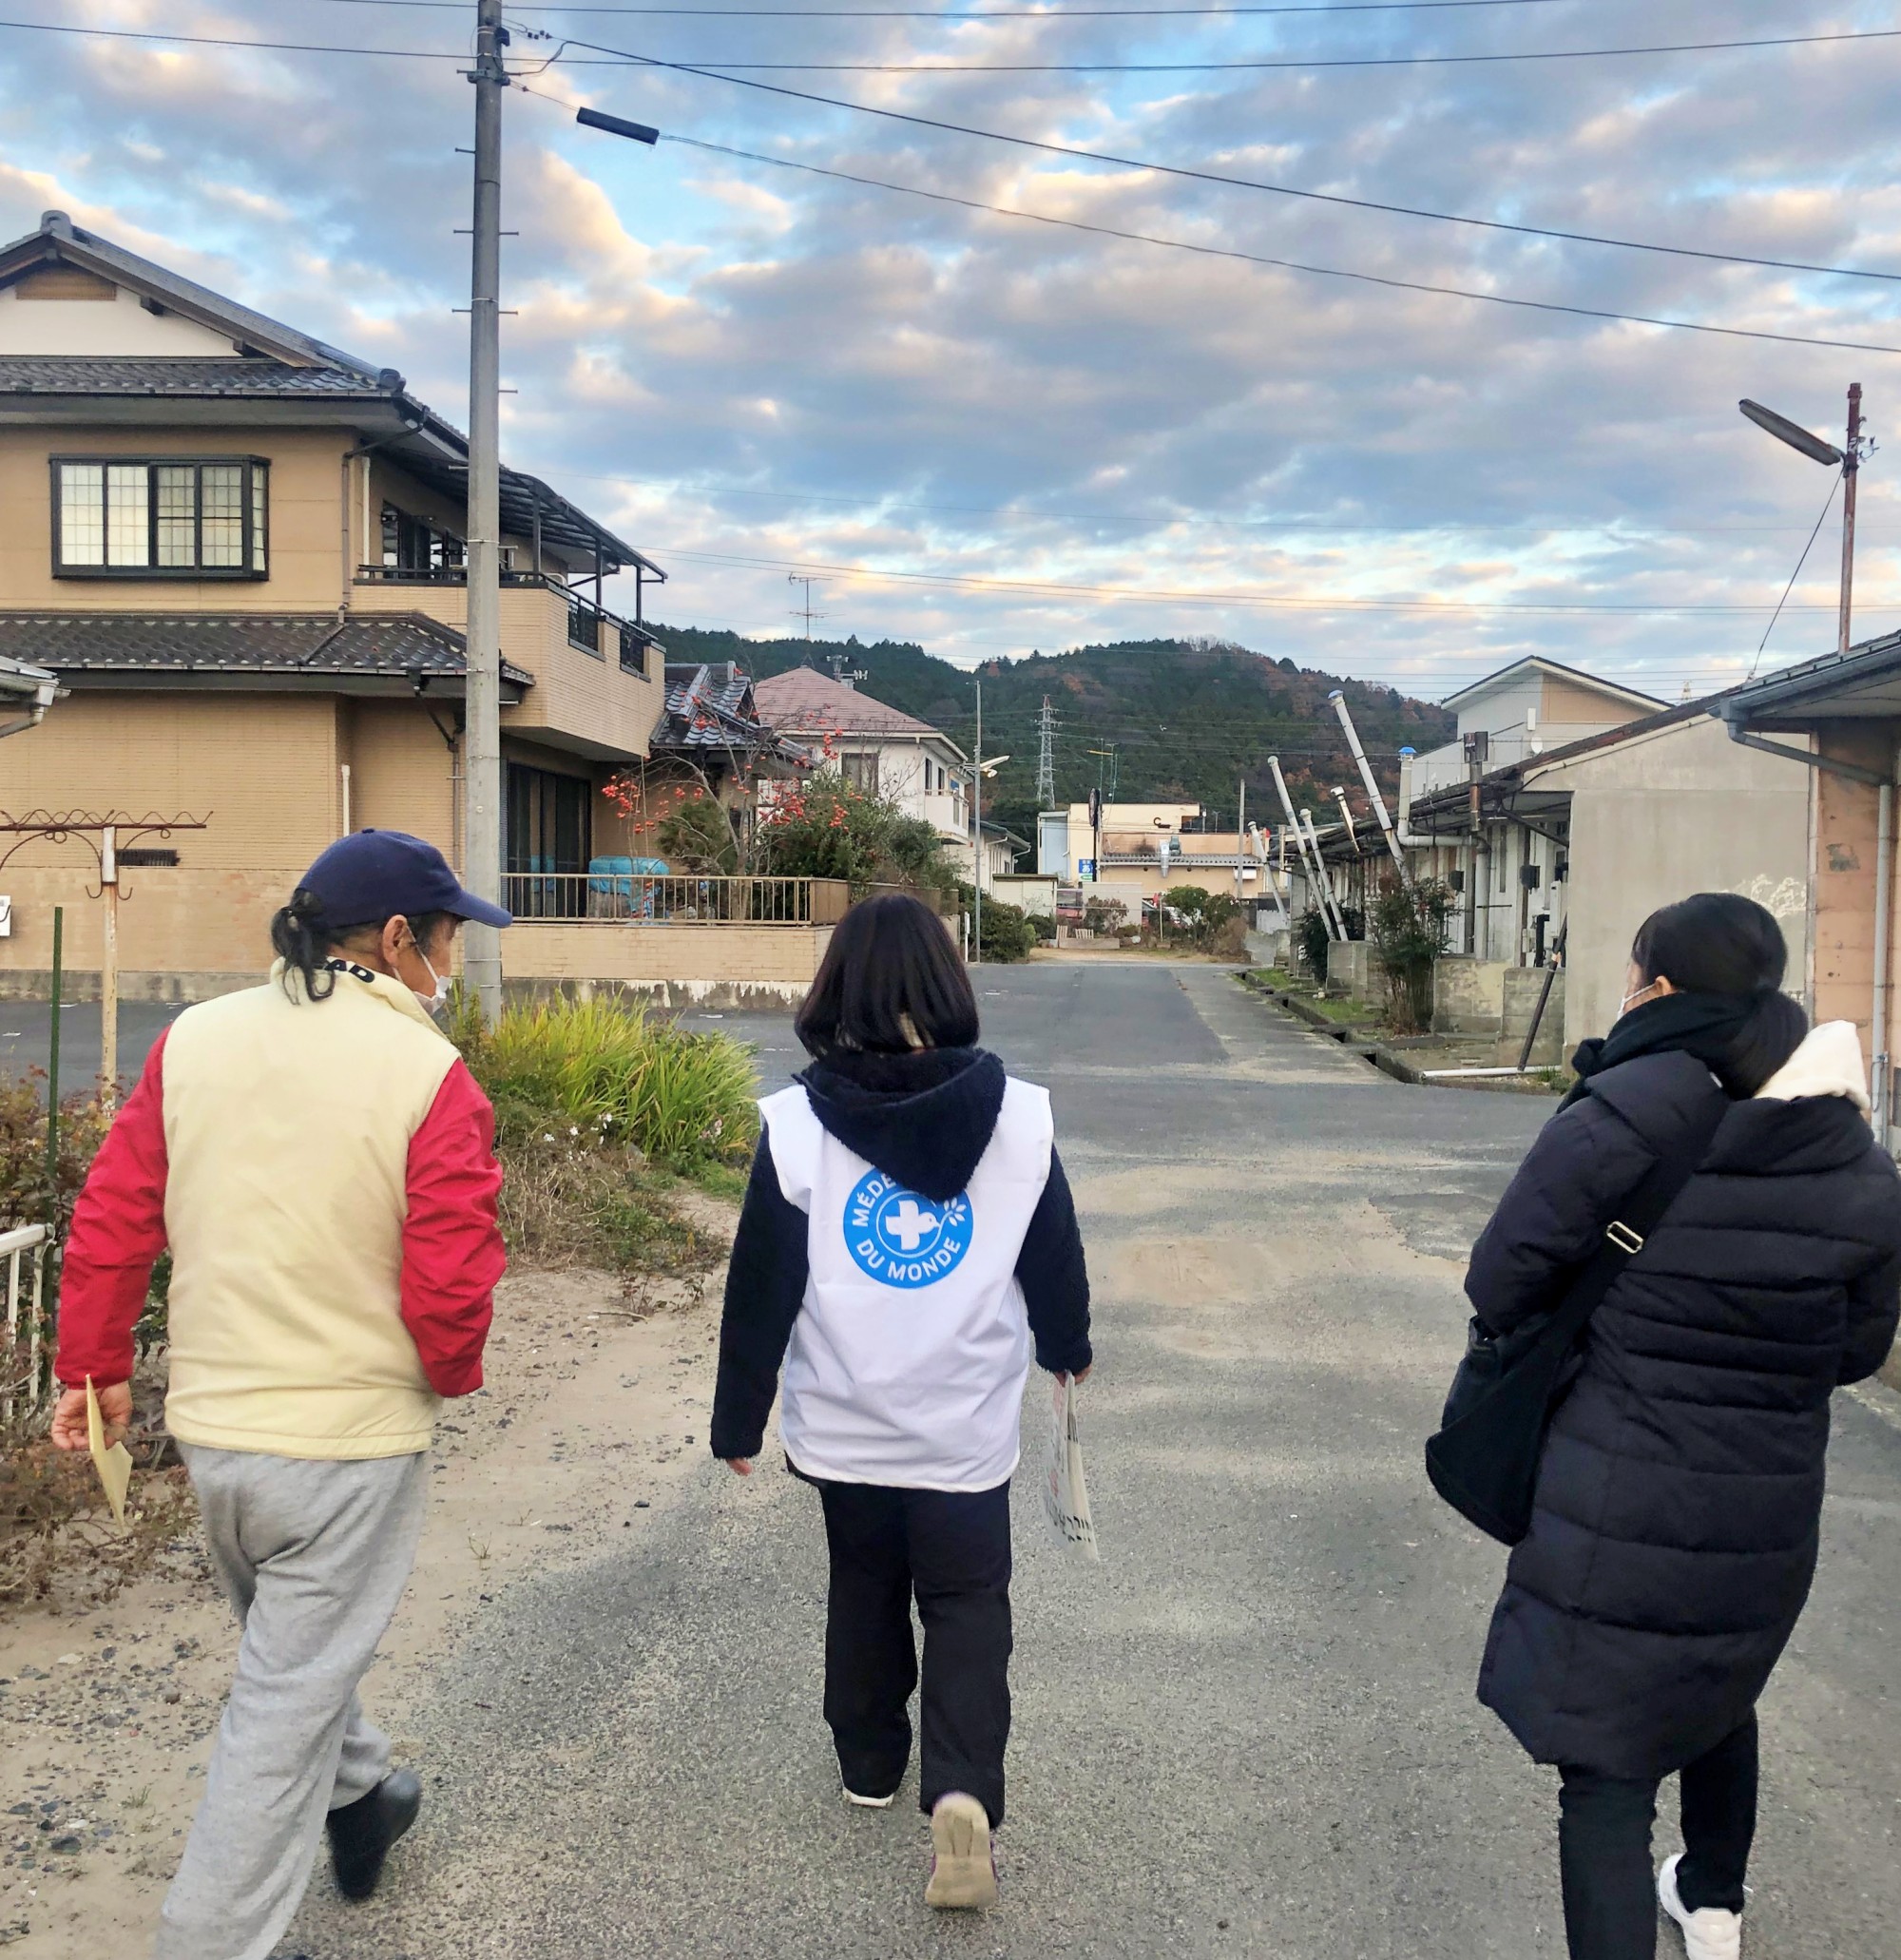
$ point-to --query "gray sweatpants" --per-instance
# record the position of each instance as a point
(314, 1557)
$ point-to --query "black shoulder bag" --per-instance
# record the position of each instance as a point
(1483, 1461)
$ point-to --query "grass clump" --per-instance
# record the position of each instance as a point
(611, 1072)
(601, 1110)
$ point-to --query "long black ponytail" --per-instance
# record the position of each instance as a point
(300, 939)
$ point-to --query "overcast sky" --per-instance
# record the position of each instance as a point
(748, 370)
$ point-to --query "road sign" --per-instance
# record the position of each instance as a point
(1085, 870)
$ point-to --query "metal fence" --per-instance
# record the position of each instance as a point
(25, 1360)
(643, 898)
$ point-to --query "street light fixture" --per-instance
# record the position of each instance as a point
(1846, 459)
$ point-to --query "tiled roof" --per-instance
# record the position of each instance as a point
(711, 706)
(212, 643)
(40, 374)
(803, 702)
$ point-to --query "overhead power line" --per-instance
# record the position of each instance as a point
(1198, 176)
(44, 26)
(1332, 272)
(1052, 16)
(1260, 601)
(1298, 64)
(1608, 526)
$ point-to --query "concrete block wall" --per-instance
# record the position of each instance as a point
(1490, 999)
(1354, 971)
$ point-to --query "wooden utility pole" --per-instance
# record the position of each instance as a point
(482, 789)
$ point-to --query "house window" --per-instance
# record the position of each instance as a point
(861, 771)
(549, 820)
(190, 517)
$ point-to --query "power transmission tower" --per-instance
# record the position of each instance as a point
(1046, 757)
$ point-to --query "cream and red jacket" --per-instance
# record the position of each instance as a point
(323, 1173)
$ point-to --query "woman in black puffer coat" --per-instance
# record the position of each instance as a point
(1679, 1494)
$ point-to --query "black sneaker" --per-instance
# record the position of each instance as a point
(362, 1833)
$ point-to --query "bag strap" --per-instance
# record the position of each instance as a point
(1639, 1216)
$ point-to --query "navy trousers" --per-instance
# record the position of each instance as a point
(1603, 1846)
(950, 1551)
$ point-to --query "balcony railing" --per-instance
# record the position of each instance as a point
(627, 640)
(640, 899)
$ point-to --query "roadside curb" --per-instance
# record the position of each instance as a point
(1355, 1041)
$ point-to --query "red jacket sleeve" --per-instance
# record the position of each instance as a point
(118, 1231)
(451, 1244)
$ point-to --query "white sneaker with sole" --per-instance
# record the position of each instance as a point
(962, 1873)
(1709, 1932)
(869, 1802)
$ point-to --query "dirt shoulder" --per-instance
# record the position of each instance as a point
(595, 1404)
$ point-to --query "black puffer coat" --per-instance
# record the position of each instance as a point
(1681, 1493)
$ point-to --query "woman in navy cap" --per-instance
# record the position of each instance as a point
(321, 1163)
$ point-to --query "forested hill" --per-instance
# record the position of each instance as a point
(1185, 719)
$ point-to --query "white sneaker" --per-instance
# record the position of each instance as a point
(962, 1873)
(869, 1802)
(1710, 1932)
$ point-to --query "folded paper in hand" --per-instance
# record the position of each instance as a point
(1066, 1495)
(114, 1465)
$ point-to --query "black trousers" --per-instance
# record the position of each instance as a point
(1603, 1846)
(951, 1550)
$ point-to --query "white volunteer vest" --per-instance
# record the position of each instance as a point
(908, 1359)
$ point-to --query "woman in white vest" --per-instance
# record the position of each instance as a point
(907, 1238)
(320, 1162)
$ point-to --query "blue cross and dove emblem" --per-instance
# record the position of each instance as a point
(902, 1239)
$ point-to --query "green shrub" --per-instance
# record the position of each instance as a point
(1407, 929)
(1007, 936)
(607, 1070)
(825, 828)
(1312, 937)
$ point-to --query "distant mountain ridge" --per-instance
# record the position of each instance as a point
(1162, 721)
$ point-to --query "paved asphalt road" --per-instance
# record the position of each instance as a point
(1251, 1731)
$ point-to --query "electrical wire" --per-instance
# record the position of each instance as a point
(1301, 63)
(1167, 520)
(1182, 171)
(1053, 15)
(1333, 272)
(42, 27)
(1256, 601)
(623, 56)
(1826, 507)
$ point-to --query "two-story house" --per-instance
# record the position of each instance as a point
(881, 749)
(240, 551)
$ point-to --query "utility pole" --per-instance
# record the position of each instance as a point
(977, 834)
(1850, 472)
(1046, 757)
(1241, 839)
(482, 767)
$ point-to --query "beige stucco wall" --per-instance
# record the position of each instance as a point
(1658, 817)
(605, 951)
(264, 768)
(305, 520)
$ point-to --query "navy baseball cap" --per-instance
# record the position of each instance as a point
(372, 875)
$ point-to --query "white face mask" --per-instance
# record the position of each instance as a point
(436, 1001)
(1623, 1007)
